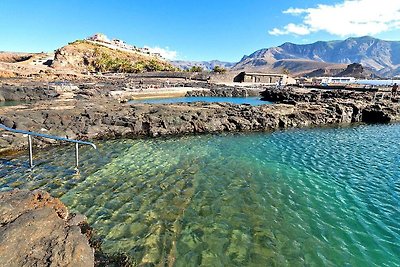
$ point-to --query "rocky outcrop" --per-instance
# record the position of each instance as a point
(13, 57)
(220, 93)
(37, 230)
(355, 70)
(223, 91)
(98, 118)
(25, 93)
(306, 95)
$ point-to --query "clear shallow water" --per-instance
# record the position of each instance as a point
(254, 101)
(378, 82)
(316, 197)
(12, 103)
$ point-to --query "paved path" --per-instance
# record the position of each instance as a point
(153, 92)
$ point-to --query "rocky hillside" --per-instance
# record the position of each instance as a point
(84, 56)
(78, 58)
(16, 64)
(10, 57)
(352, 70)
(206, 65)
(358, 71)
(383, 57)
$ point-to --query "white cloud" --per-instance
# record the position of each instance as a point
(164, 52)
(348, 18)
(298, 29)
(294, 11)
(276, 31)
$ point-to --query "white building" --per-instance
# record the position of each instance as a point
(102, 39)
(99, 37)
(337, 80)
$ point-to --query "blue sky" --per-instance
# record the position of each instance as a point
(194, 30)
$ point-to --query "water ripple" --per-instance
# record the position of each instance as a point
(312, 197)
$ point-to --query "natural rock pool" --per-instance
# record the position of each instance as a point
(254, 101)
(12, 103)
(310, 197)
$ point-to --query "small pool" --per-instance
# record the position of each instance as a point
(11, 103)
(301, 197)
(254, 101)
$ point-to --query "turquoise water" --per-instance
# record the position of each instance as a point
(315, 197)
(254, 101)
(12, 103)
(378, 82)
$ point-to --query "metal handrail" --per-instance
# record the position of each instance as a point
(30, 134)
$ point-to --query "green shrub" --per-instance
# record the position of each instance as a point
(196, 69)
(218, 69)
(104, 62)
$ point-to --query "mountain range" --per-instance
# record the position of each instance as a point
(373, 57)
(206, 65)
(379, 57)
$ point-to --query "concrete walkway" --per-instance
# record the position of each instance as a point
(134, 94)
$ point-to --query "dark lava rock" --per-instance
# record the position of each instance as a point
(102, 117)
(375, 114)
(26, 93)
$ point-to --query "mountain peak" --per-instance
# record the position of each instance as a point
(362, 38)
(381, 56)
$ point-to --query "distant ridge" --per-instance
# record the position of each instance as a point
(206, 65)
(382, 57)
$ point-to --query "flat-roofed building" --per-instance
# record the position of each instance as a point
(99, 37)
(267, 78)
(344, 80)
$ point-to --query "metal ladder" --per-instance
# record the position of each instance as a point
(30, 134)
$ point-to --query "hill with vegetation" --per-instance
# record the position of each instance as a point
(85, 56)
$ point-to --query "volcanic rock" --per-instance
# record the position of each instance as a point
(36, 230)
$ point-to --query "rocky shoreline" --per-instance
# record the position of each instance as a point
(26, 93)
(38, 230)
(225, 92)
(91, 115)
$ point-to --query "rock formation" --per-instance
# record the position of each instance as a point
(36, 230)
(225, 92)
(100, 117)
(25, 93)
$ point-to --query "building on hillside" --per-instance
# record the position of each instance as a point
(267, 78)
(120, 44)
(99, 37)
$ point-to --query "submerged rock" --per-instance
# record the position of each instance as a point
(36, 230)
